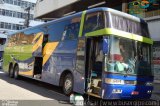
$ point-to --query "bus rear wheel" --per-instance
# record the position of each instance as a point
(68, 84)
(16, 70)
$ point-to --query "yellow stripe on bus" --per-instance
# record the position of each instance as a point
(48, 50)
(37, 44)
(31, 63)
(37, 36)
(112, 31)
(82, 23)
(27, 73)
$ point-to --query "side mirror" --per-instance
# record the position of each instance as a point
(105, 46)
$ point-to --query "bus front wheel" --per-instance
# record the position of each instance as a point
(68, 84)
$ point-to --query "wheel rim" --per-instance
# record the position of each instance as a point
(68, 84)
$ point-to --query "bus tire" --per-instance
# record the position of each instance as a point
(10, 71)
(68, 84)
(16, 70)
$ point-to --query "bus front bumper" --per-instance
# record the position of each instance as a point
(112, 91)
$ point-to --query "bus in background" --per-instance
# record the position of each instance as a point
(100, 52)
(2, 43)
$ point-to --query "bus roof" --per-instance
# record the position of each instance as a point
(119, 13)
(116, 12)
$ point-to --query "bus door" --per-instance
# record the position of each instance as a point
(79, 72)
(94, 58)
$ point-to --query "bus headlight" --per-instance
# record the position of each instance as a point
(149, 84)
(114, 81)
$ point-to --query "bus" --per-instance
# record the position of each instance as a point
(100, 52)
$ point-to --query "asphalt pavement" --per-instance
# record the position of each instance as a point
(27, 92)
(156, 92)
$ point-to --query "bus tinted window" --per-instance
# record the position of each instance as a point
(127, 25)
(93, 21)
(61, 30)
(55, 30)
(71, 31)
(64, 30)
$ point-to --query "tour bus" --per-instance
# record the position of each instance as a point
(100, 52)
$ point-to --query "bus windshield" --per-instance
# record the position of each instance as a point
(128, 57)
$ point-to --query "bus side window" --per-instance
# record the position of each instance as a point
(71, 32)
(93, 21)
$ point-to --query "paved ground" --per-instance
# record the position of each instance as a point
(31, 92)
(34, 93)
(156, 92)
